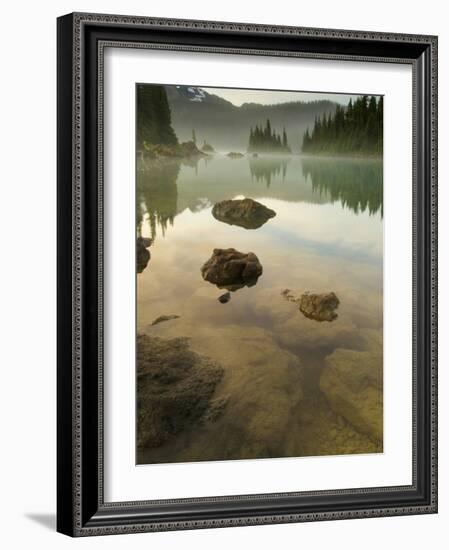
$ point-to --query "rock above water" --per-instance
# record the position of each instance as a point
(175, 388)
(181, 150)
(164, 318)
(234, 155)
(224, 298)
(147, 242)
(246, 213)
(228, 268)
(142, 254)
(352, 384)
(320, 307)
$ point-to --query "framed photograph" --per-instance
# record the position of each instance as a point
(247, 279)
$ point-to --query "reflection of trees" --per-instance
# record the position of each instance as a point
(357, 185)
(266, 169)
(157, 194)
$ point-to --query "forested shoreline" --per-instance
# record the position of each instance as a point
(356, 129)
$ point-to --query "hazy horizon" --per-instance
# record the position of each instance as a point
(272, 97)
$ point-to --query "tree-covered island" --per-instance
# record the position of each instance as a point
(266, 140)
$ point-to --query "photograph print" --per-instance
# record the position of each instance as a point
(259, 267)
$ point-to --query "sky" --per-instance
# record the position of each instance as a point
(267, 97)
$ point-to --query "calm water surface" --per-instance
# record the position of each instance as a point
(327, 236)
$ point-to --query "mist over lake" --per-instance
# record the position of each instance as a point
(259, 287)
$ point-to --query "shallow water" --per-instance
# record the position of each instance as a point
(327, 235)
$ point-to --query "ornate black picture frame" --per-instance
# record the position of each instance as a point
(81, 509)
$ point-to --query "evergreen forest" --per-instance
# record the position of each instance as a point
(266, 140)
(358, 128)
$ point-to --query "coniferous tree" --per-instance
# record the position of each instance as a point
(265, 139)
(358, 128)
(284, 138)
(154, 116)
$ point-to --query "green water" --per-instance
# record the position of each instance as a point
(327, 235)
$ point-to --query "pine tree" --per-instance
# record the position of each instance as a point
(154, 116)
(284, 138)
(356, 128)
(265, 139)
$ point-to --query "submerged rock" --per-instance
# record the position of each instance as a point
(163, 318)
(230, 269)
(320, 307)
(175, 387)
(224, 298)
(352, 384)
(251, 411)
(142, 254)
(246, 213)
(215, 409)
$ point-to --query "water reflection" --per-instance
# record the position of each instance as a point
(264, 170)
(167, 188)
(281, 368)
(157, 195)
(357, 185)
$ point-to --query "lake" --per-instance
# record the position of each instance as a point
(281, 369)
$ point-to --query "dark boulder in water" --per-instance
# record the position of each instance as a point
(224, 298)
(228, 268)
(246, 213)
(142, 254)
(146, 241)
(175, 389)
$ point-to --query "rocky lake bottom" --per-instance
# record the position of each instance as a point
(276, 356)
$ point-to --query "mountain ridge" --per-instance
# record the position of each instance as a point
(227, 126)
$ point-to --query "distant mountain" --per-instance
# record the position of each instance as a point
(227, 127)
